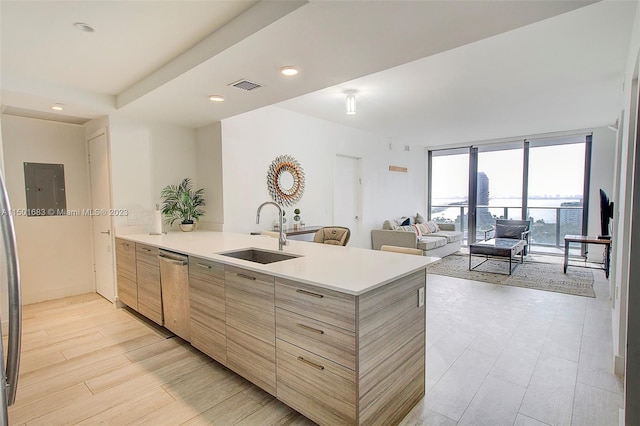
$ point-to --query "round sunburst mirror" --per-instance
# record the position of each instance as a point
(285, 180)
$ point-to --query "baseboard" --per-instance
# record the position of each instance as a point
(618, 365)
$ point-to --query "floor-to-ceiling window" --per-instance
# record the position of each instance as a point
(449, 186)
(555, 192)
(543, 180)
(499, 185)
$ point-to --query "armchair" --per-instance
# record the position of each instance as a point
(511, 228)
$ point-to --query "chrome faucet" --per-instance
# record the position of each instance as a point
(282, 239)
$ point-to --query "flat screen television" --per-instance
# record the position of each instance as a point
(606, 213)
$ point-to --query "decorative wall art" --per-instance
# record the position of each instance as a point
(285, 180)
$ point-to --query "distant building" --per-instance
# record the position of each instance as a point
(483, 189)
(571, 217)
(484, 218)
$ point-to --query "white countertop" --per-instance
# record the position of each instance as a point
(346, 269)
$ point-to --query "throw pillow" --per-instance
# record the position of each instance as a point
(418, 230)
(390, 224)
(424, 229)
(510, 231)
(405, 221)
(433, 227)
(407, 228)
(420, 219)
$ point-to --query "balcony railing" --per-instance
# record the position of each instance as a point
(549, 225)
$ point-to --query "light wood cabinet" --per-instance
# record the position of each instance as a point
(334, 357)
(328, 306)
(331, 342)
(345, 359)
(207, 304)
(126, 273)
(149, 288)
(250, 321)
(320, 389)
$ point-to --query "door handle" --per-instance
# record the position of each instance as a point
(108, 232)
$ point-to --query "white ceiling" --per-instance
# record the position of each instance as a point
(425, 71)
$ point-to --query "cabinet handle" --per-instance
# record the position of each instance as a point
(202, 265)
(308, 293)
(144, 248)
(249, 277)
(306, 327)
(312, 364)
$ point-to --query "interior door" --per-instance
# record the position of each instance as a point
(347, 196)
(101, 219)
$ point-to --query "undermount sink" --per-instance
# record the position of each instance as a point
(259, 256)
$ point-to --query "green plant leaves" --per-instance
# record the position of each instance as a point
(182, 202)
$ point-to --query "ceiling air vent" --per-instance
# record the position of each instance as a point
(246, 85)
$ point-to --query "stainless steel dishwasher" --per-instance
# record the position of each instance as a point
(174, 280)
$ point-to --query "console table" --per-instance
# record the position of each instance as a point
(302, 234)
(583, 239)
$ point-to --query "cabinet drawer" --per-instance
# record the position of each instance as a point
(208, 341)
(206, 299)
(321, 304)
(147, 254)
(249, 303)
(328, 341)
(206, 270)
(128, 292)
(149, 292)
(253, 359)
(126, 259)
(322, 390)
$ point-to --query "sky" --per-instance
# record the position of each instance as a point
(556, 170)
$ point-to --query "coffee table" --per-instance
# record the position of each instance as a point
(498, 247)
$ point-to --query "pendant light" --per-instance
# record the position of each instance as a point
(351, 103)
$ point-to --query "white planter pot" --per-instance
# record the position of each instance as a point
(187, 227)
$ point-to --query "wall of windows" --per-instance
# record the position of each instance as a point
(543, 180)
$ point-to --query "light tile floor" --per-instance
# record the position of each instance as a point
(501, 355)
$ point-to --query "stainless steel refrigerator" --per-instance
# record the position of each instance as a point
(9, 383)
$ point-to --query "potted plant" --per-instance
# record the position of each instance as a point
(182, 202)
(296, 219)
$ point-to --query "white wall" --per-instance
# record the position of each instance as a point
(54, 251)
(603, 149)
(251, 141)
(626, 321)
(623, 201)
(145, 157)
(209, 175)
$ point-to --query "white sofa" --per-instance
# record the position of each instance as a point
(439, 242)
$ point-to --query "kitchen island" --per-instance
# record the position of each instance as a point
(337, 333)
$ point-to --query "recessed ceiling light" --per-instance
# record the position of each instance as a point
(289, 71)
(81, 26)
(58, 107)
(216, 98)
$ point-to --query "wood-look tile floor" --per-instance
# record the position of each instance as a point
(496, 355)
(85, 362)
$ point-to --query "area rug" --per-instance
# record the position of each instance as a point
(536, 275)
